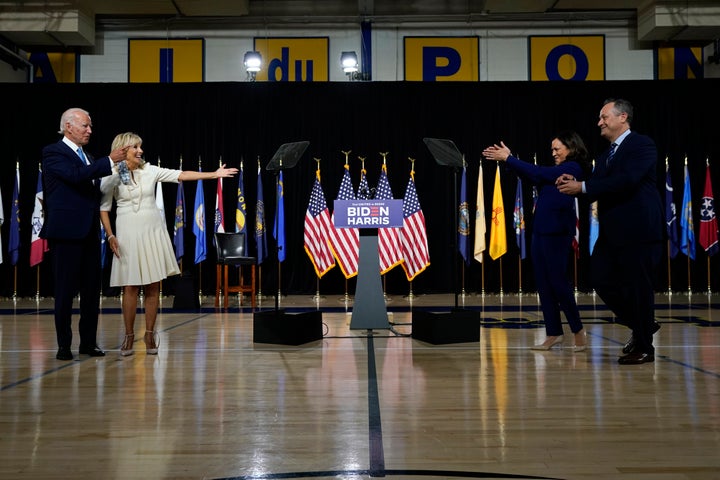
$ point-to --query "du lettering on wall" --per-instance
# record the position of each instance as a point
(567, 57)
(442, 59)
(166, 61)
(293, 59)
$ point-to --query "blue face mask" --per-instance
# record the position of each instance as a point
(124, 172)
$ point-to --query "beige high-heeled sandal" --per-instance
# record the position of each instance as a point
(549, 343)
(127, 345)
(151, 346)
(581, 345)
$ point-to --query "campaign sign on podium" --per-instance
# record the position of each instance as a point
(369, 311)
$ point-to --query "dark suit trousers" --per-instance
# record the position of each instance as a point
(76, 266)
(623, 277)
(550, 256)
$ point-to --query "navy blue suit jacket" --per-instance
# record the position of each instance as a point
(555, 211)
(630, 210)
(72, 200)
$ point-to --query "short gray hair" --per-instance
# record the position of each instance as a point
(70, 115)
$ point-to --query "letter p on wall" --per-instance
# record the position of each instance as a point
(436, 59)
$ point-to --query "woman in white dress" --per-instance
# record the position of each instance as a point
(143, 252)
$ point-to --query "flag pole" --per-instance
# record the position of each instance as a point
(501, 277)
(279, 263)
(688, 256)
(669, 245)
(709, 290)
(482, 274)
(575, 267)
(520, 290)
(200, 264)
(669, 292)
(317, 297)
(346, 297)
(160, 294)
(709, 284)
(37, 287)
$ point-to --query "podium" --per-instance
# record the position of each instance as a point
(369, 310)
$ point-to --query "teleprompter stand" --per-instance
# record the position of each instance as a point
(460, 325)
(277, 326)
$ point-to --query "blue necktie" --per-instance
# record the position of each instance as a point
(613, 146)
(81, 154)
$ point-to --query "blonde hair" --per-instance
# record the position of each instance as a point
(125, 140)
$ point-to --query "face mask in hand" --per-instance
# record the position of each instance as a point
(124, 172)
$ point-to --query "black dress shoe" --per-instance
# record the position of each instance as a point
(636, 358)
(64, 354)
(630, 345)
(93, 351)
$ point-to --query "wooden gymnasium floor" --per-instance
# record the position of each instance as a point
(361, 404)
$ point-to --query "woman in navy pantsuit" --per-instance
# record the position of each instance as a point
(72, 228)
(553, 231)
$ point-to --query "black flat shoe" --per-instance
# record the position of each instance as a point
(64, 354)
(636, 358)
(93, 351)
(630, 345)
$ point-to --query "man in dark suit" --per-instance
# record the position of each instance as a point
(630, 213)
(72, 228)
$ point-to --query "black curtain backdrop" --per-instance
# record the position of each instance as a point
(251, 120)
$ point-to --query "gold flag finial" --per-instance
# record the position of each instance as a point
(347, 154)
(384, 155)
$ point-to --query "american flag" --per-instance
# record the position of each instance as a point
(345, 242)
(389, 249)
(414, 236)
(363, 191)
(317, 230)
